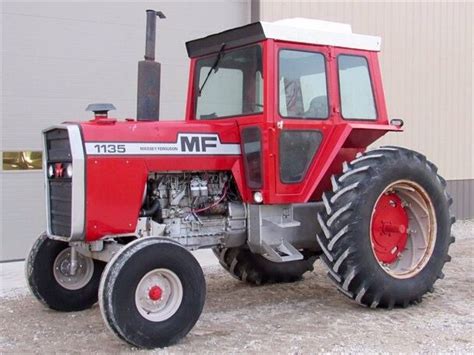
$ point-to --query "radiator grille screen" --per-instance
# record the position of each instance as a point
(58, 152)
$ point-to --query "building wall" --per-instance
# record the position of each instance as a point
(427, 66)
(57, 57)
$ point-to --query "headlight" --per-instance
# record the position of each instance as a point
(69, 170)
(50, 171)
(258, 197)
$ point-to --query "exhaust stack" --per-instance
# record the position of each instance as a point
(149, 74)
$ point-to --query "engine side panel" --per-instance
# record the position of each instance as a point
(114, 192)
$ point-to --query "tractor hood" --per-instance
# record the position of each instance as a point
(160, 138)
(111, 162)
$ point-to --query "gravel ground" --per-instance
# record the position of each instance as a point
(304, 317)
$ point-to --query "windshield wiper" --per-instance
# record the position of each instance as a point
(214, 67)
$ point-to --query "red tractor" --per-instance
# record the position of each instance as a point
(270, 169)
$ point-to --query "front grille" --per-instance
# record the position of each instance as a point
(58, 150)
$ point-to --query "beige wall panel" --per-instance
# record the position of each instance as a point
(462, 192)
(426, 62)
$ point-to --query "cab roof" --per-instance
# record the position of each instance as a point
(300, 30)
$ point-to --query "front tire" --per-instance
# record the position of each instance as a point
(386, 228)
(152, 293)
(48, 277)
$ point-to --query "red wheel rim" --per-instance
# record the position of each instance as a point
(389, 228)
(403, 229)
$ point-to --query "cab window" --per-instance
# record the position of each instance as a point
(302, 85)
(231, 85)
(357, 99)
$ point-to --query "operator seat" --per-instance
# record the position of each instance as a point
(318, 108)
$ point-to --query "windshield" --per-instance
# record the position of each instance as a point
(233, 88)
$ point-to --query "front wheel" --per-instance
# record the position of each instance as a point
(386, 228)
(152, 293)
(53, 283)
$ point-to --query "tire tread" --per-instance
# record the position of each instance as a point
(338, 215)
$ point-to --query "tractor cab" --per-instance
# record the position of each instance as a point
(300, 91)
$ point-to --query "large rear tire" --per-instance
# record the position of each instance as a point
(386, 228)
(152, 292)
(246, 266)
(49, 279)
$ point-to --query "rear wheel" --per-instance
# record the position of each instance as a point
(386, 228)
(152, 293)
(246, 266)
(52, 281)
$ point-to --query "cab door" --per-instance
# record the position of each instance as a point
(303, 115)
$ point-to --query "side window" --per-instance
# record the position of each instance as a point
(252, 149)
(224, 94)
(297, 150)
(357, 99)
(302, 85)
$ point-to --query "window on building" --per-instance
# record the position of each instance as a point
(233, 88)
(357, 99)
(302, 85)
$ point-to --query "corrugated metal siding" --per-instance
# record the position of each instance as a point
(426, 60)
(22, 214)
(462, 192)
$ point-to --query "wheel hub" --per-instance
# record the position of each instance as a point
(389, 228)
(155, 293)
(158, 295)
(62, 270)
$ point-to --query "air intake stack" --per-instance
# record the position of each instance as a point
(149, 74)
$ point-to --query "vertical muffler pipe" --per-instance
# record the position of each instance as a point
(149, 74)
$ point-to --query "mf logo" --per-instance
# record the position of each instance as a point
(190, 143)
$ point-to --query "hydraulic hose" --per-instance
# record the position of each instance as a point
(150, 212)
